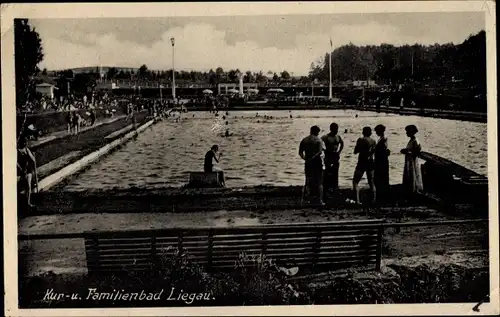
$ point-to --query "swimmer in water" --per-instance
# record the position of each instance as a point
(345, 131)
(258, 121)
(257, 114)
(227, 122)
(224, 117)
(227, 113)
(356, 115)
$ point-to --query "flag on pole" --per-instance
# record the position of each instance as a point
(330, 70)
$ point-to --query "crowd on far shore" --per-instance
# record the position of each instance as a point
(43, 104)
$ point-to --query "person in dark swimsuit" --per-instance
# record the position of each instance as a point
(381, 175)
(92, 117)
(69, 121)
(365, 148)
(210, 159)
(311, 151)
(130, 111)
(334, 146)
(26, 169)
(76, 122)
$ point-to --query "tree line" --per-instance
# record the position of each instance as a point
(212, 76)
(387, 63)
(28, 53)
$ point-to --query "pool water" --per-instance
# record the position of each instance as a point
(264, 151)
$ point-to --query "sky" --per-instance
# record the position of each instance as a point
(255, 43)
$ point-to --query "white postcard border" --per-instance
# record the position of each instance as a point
(93, 10)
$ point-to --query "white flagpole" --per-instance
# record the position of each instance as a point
(172, 40)
(330, 68)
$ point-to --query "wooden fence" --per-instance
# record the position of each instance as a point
(341, 244)
(334, 244)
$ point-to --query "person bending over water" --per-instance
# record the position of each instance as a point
(311, 151)
(412, 179)
(334, 146)
(365, 148)
(211, 163)
(381, 162)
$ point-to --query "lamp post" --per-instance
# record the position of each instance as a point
(173, 66)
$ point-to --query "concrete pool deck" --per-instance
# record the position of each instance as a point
(64, 133)
(87, 140)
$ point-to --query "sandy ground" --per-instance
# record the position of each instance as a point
(413, 244)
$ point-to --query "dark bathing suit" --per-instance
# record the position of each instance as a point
(382, 164)
(332, 144)
(208, 164)
(332, 162)
(313, 147)
(365, 146)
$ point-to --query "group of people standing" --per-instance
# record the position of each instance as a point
(322, 162)
(75, 121)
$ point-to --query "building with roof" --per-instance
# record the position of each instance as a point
(46, 90)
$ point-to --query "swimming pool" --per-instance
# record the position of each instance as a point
(265, 151)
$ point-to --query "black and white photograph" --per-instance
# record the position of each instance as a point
(276, 156)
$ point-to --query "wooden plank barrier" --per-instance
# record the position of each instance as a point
(453, 183)
(205, 179)
(331, 244)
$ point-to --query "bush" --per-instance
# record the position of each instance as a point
(257, 280)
